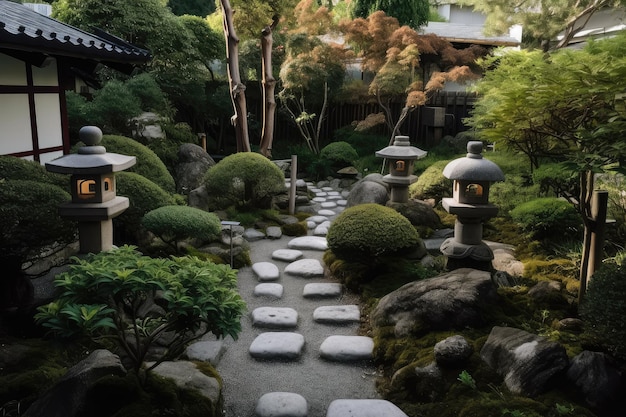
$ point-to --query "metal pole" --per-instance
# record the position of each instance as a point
(292, 187)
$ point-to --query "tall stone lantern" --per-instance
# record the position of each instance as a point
(94, 202)
(472, 176)
(401, 156)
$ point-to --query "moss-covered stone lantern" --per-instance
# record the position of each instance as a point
(401, 157)
(472, 177)
(94, 200)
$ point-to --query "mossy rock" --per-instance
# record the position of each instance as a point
(431, 183)
(295, 229)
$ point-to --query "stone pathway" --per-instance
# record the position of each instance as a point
(299, 353)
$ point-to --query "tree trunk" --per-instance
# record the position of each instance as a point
(237, 88)
(269, 85)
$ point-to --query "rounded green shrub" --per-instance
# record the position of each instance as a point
(144, 196)
(431, 183)
(340, 154)
(556, 177)
(148, 163)
(368, 231)
(245, 180)
(604, 308)
(175, 223)
(13, 168)
(547, 217)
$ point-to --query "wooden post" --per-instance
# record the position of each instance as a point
(292, 187)
(597, 222)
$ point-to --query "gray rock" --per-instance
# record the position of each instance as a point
(548, 293)
(328, 205)
(273, 232)
(205, 351)
(275, 317)
(199, 198)
(266, 271)
(418, 212)
(371, 189)
(187, 376)
(571, 324)
(277, 345)
(281, 404)
(322, 290)
(337, 314)
(326, 212)
(269, 290)
(252, 235)
(430, 385)
(193, 163)
(287, 255)
(306, 268)
(504, 260)
(453, 351)
(363, 408)
(449, 301)
(347, 348)
(526, 361)
(596, 378)
(308, 242)
(318, 219)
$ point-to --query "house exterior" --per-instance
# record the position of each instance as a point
(41, 58)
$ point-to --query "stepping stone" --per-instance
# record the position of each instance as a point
(322, 290)
(342, 203)
(275, 317)
(327, 189)
(332, 192)
(311, 225)
(277, 345)
(363, 408)
(281, 404)
(308, 242)
(269, 290)
(318, 199)
(273, 232)
(287, 255)
(334, 198)
(347, 348)
(345, 193)
(326, 212)
(252, 235)
(266, 271)
(300, 183)
(318, 219)
(315, 190)
(337, 314)
(321, 194)
(306, 268)
(205, 351)
(328, 205)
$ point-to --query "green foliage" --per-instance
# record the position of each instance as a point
(466, 379)
(512, 193)
(295, 229)
(109, 296)
(368, 231)
(150, 95)
(556, 178)
(245, 180)
(175, 223)
(604, 308)
(339, 154)
(144, 196)
(148, 163)
(413, 13)
(548, 217)
(112, 107)
(13, 168)
(193, 7)
(431, 183)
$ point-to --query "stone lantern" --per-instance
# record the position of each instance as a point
(401, 156)
(94, 202)
(472, 176)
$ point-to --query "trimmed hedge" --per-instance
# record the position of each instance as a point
(364, 232)
(340, 154)
(13, 168)
(175, 223)
(548, 217)
(244, 180)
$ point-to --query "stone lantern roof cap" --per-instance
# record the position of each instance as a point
(91, 159)
(401, 149)
(473, 167)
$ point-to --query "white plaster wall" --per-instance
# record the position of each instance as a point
(12, 71)
(48, 111)
(15, 132)
(46, 76)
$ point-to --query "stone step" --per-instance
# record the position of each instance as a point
(339, 314)
(363, 408)
(275, 317)
(266, 271)
(347, 348)
(270, 290)
(277, 346)
(308, 242)
(287, 255)
(322, 290)
(306, 268)
(281, 404)
(326, 212)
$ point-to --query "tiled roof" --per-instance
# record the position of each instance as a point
(462, 33)
(23, 29)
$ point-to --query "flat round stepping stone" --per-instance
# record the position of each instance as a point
(317, 219)
(320, 230)
(326, 212)
(321, 194)
(328, 189)
(266, 271)
(277, 345)
(328, 205)
(273, 232)
(342, 203)
(270, 290)
(287, 255)
(337, 314)
(252, 235)
(275, 317)
(347, 348)
(322, 290)
(306, 268)
(311, 225)
(318, 199)
(332, 192)
(363, 408)
(281, 404)
(308, 242)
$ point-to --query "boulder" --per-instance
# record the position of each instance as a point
(193, 163)
(186, 375)
(419, 213)
(453, 352)
(527, 362)
(449, 301)
(548, 294)
(68, 397)
(370, 189)
(596, 377)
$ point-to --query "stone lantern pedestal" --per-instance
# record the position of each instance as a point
(94, 202)
(401, 156)
(472, 176)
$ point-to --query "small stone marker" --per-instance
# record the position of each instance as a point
(308, 242)
(275, 317)
(277, 345)
(287, 255)
(337, 314)
(347, 348)
(269, 290)
(322, 290)
(266, 271)
(281, 404)
(363, 408)
(306, 268)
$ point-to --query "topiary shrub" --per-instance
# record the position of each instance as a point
(548, 217)
(366, 231)
(175, 223)
(431, 183)
(340, 154)
(245, 180)
(604, 308)
(144, 196)
(13, 168)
